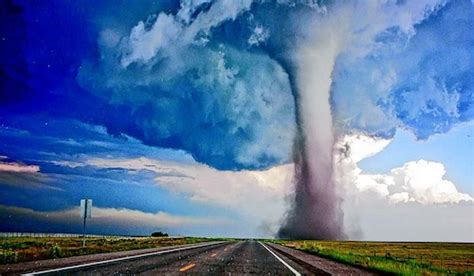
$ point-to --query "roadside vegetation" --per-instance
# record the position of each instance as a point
(21, 249)
(415, 258)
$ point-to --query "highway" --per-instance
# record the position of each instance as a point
(222, 258)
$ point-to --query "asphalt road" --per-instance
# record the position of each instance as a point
(225, 258)
(245, 257)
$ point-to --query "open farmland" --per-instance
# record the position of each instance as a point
(21, 249)
(395, 257)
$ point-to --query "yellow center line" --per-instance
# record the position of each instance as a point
(188, 267)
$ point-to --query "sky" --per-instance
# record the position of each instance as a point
(185, 116)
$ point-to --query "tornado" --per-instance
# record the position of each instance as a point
(315, 211)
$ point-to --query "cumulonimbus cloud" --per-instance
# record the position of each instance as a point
(419, 181)
(400, 64)
(229, 107)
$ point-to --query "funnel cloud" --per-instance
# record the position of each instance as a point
(316, 212)
(346, 65)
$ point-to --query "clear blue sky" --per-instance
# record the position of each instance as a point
(454, 149)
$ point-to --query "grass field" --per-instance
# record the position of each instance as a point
(395, 257)
(391, 257)
(14, 250)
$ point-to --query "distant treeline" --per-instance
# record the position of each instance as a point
(159, 234)
(56, 235)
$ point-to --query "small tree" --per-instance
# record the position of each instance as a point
(159, 234)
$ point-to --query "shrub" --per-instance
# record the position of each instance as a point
(9, 256)
(55, 251)
(159, 234)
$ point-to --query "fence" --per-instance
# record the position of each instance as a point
(57, 235)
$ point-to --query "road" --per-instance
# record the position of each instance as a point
(226, 258)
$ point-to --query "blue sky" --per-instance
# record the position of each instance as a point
(454, 149)
(184, 116)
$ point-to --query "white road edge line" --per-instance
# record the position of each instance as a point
(118, 259)
(281, 260)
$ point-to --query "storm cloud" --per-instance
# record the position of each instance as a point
(243, 84)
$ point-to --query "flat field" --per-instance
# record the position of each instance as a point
(15, 250)
(406, 258)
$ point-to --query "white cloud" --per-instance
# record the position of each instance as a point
(143, 45)
(412, 202)
(220, 11)
(362, 146)
(415, 181)
(400, 197)
(65, 163)
(112, 217)
(260, 34)
(372, 183)
(424, 182)
(18, 167)
(365, 82)
(188, 7)
(139, 218)
(18, 174)
(391, 201)
(258, 196)
(176, 32)
(247, 94)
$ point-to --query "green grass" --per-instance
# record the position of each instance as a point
(395, 257)
(15, 250)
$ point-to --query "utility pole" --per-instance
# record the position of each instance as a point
(86, 207)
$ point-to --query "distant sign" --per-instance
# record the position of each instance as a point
(86, 207)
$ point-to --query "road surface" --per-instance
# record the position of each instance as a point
(224, 258)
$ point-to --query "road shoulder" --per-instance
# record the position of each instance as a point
(316, 264)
